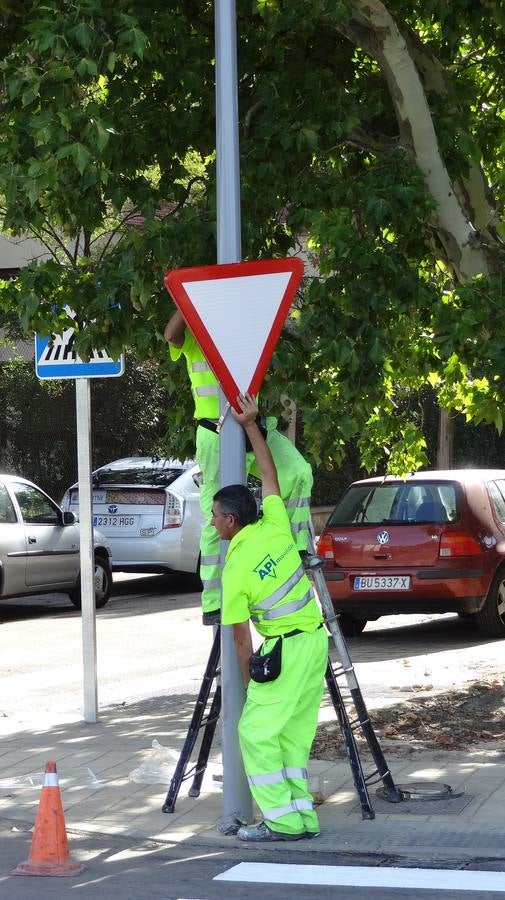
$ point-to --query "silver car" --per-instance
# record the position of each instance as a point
(149, 510)
(39, 546)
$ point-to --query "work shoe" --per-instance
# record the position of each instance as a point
(311, 834)
(262, 832)
(213, 617)
(310, 561)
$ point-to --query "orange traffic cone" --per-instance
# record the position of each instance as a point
(49, 854)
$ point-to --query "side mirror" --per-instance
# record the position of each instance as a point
(69, 517)
(197, 478)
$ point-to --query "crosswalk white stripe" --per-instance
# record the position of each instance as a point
(366, 876)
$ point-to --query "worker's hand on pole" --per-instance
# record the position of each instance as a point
(247, 418)
(249, 409)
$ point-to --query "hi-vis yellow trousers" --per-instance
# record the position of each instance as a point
(276, 731)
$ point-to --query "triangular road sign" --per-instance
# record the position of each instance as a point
(236, 312)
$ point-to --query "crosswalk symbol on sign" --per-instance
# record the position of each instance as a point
(55, 357)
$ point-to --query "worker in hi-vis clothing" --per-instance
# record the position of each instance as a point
(264, 582)
(294, 472)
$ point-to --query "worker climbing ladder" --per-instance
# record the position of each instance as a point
(346, 697)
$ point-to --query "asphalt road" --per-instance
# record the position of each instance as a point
(150, 642)
(134, 871)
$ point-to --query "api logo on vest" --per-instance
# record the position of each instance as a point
(266, 567)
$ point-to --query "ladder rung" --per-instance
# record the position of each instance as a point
(189, 773)
(358, 723)
(209, 720)
(370, 779)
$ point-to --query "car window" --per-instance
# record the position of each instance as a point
(142, 475)
(7, 511)
(377, 504)
(35, 507)
(497, 494)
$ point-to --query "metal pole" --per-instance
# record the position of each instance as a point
(83, 410)
(237, 805)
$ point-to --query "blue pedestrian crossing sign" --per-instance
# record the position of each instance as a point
(55, 357)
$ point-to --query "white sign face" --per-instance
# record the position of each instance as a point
(55, 357)
(238, 314)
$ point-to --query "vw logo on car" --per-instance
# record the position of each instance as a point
(383, 537)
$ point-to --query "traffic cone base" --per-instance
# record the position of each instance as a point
(49, 853)
(61, 869)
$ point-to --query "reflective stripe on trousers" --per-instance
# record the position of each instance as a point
(276, 777)
(278, 811)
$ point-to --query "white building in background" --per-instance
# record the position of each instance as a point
(14, 254)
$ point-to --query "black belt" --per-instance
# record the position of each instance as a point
(295, 631)
(209, 424)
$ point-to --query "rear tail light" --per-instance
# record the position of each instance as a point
(174, 510)
(459, 543)
(325, 547)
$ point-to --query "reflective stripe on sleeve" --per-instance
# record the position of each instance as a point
(201, 366)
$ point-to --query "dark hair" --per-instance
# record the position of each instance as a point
(237, 500)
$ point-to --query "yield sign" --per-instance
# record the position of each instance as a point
(236, 312)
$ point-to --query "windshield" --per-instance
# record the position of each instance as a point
(141, 476)
(414, 503)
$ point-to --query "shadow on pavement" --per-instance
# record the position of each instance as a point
(436, 635)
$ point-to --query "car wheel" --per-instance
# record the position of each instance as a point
(103, 584)
(491, 618)
(350, 626)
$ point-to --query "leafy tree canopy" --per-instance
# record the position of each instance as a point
(371, 137)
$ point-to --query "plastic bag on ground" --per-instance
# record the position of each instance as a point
(157, 768)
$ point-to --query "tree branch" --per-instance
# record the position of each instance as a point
(373, 28)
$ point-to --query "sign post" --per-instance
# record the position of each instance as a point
(237, 803)
(89, 653)
(55, 357)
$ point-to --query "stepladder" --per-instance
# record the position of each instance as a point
(346, 698)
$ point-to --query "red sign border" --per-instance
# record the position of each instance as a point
(174, 284)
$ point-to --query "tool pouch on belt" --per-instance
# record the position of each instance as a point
(266, 667)
(261, 423)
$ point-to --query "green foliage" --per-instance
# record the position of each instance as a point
(107, 154)
(123, 424)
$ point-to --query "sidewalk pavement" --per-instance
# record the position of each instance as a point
(94, 762)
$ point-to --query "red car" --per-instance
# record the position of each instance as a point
(433, 542)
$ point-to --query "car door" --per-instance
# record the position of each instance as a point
(12, 547)
(52, 549)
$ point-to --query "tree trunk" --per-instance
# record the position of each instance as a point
(373, 28)
(445, 439)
